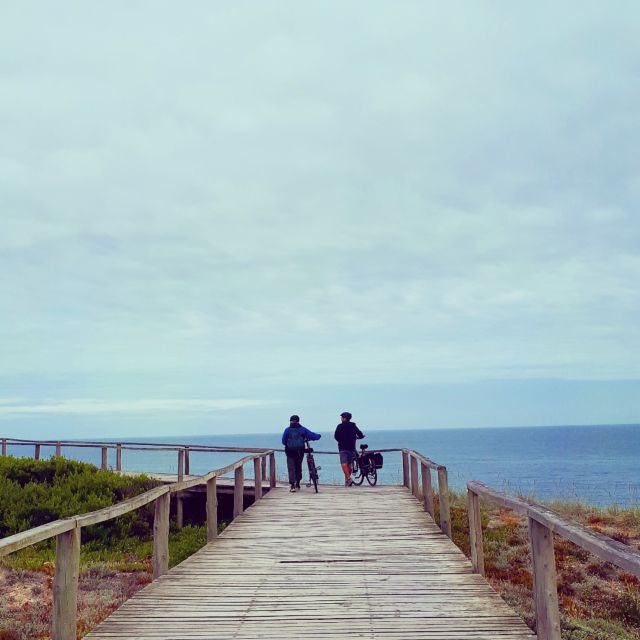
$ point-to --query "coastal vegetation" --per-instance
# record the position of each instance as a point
(598, 601)
(115, 558)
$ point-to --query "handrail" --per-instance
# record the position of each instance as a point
(67, 531)
(543, 523)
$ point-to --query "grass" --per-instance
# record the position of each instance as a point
(597, 600)
(115, 558)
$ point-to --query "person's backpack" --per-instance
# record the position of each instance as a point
(295, 439)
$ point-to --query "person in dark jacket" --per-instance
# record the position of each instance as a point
(293, 440)
(346, 434)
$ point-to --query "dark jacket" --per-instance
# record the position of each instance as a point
(346, 434)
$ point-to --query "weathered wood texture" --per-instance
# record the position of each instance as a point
(65, 586)
(284, 569)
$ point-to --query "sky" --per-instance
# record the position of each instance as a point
(213, 215)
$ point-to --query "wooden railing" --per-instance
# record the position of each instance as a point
(67, 532)
(543, 523)
(423, 490)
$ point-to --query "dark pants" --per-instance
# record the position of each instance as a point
(294, 466)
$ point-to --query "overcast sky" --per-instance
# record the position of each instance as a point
(216, 214)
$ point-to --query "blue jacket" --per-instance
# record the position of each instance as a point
(309, 435)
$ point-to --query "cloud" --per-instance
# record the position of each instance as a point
(128, 407)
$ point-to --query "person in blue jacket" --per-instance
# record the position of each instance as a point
(293, 440)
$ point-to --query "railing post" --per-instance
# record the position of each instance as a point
(179, 505)
(4, 446)
(257, 475)
(413, 461)
(545, 592)
(36, 453)
(212, 509)
(118, 457)
(161, 535)
(272, 470)
(475, 532)
(406, 481)
(104, 458)
(443, 492)
(238, 492)
(427, 491)
(187, 464)
(263, 471)
(65, 586)
(58, 449)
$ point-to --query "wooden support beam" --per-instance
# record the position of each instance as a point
(104, 462)
(179, 505)
(272, 470)
(118, 457)
(415, 489)
(545, 592)
(443, 493)
(257, 474)
(406, 480)
(65, 585)
(475, 532)
(238, 492)
(212, 509)
(36, 453)
(427, 490)
(161, 535)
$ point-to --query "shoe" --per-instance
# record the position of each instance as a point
(292, 490)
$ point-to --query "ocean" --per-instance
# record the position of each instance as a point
(595, 464)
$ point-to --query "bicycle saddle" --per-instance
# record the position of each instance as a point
(364, 446)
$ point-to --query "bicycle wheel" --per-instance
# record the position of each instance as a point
(357, 476)
(372, 475)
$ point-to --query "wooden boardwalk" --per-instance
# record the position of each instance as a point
(345, 563)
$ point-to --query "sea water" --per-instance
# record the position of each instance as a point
(595, 464)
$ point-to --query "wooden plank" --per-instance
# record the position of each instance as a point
(406, 478)
(37, 534)
(113, 511)
(238, 492)
(65, 586)
(413, 462)
(475, 532)
(443, 493)
(427, 490)
(257, 478)
(272, 470)
(545, 590)
(161, 535)
(212, 509)
(404, 580)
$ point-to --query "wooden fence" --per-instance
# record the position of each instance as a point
(67, 532)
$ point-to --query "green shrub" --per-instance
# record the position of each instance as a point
(35, 492)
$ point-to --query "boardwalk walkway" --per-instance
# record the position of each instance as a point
(345, 563)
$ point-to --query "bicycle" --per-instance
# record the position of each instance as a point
(313, 470)
(364, 466)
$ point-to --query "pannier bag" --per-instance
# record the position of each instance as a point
(377, 460)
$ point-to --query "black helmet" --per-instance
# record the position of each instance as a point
(294, 418)
(345, 414)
